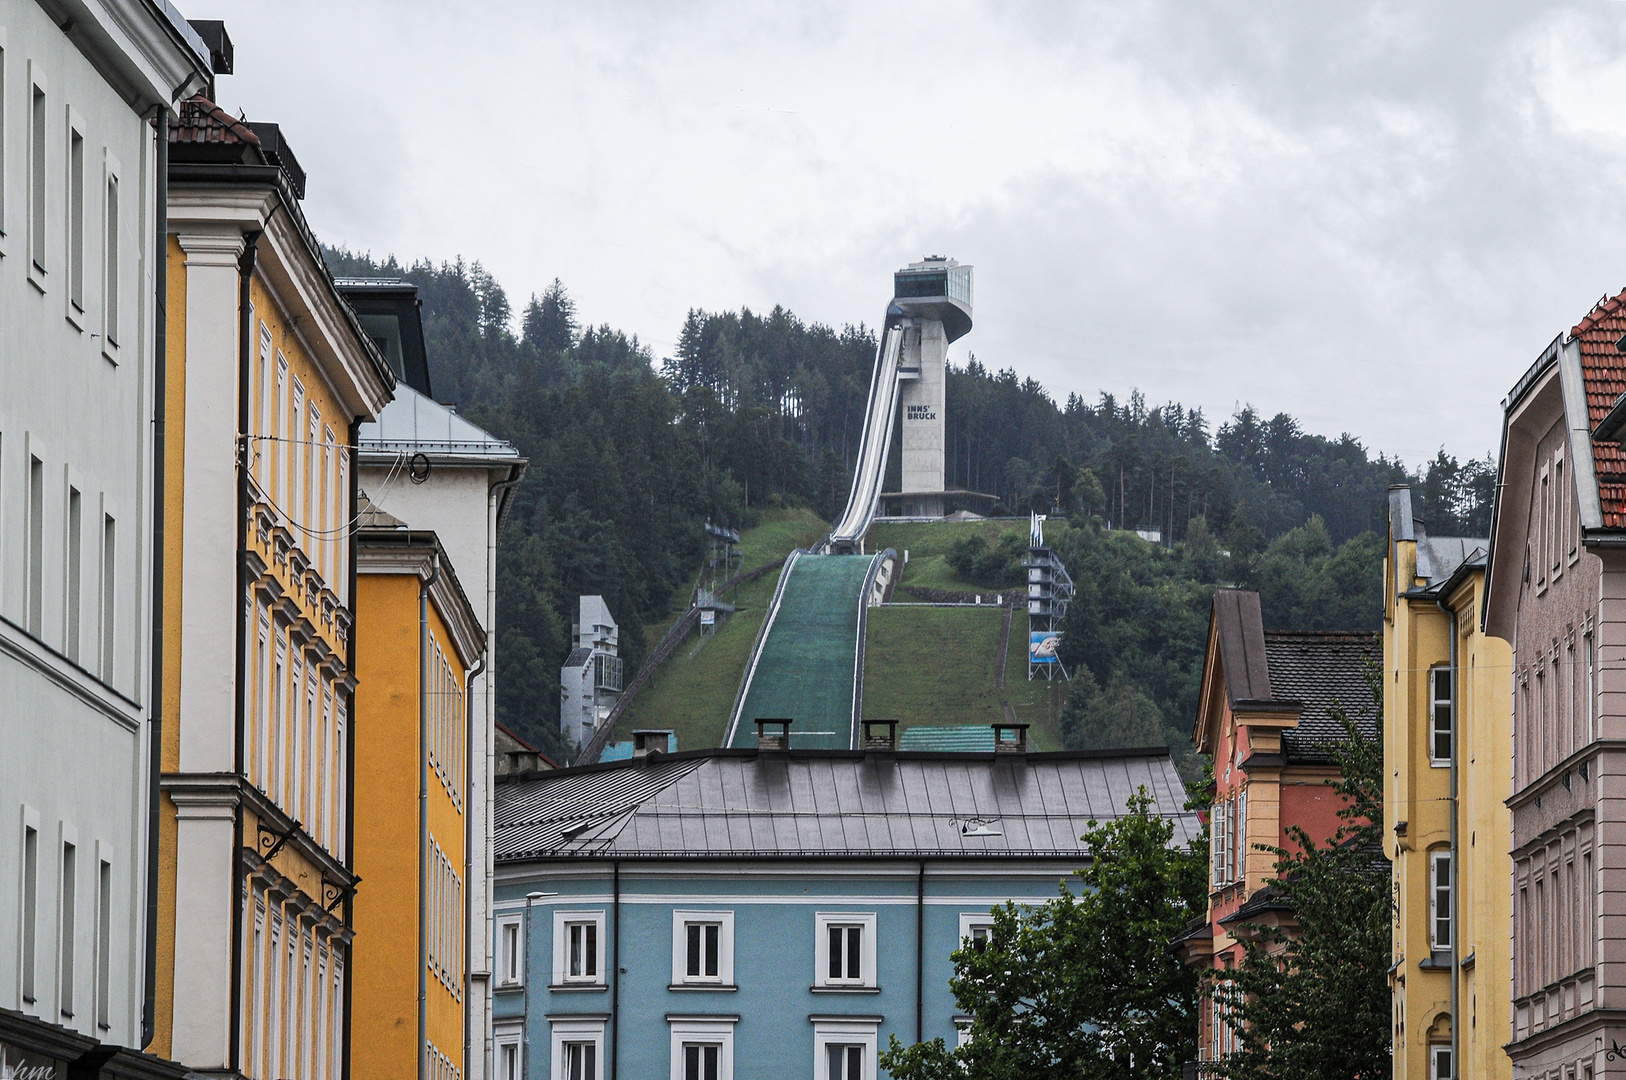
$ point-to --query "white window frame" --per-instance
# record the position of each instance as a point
(717, 1030)
(561, 948)
(1434, 701)
(962, 1030)
(587, 1029)
(843, 1032)
(822, 921)
(510, 976)
(1436, 893)
(973, 920)
(73, 217)
(38, 186)
(681, 919)
(112, 221)
(508, 1035)
(1435, 1053)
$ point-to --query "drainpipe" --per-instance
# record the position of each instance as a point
(615, 975)
(350, 740)
(493, 521)
(423, 814)
(155, 726)
(468, 856)
(920, 946)
(245, 340)
(1456, 873)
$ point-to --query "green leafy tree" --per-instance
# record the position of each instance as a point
(1084, 985)
(1312, 1003)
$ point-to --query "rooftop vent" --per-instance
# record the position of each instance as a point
(773, 733)
(1010, 738)
(881, 735)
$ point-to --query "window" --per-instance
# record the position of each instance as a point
(577, 941)
(702, 1047)
(1591, 692)
(36, 175)
(578, 1047)
(74, 560)
(109, 595)
(1439, 1066)
(845, 950)
(1439, 745)
(1241, 841)
(75, 231)
(110, 260)
(30, 900)
(1439, 875)
(68, 931)
(510, 951)
(703, 948)
(104, 943)
(2, 138)
(1561, 525)
(1216, 830)
(36, 545)
(843, 1048)
(976, 929)
(508, 1041)
(279, 720)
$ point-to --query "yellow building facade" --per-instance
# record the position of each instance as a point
(418, 646)
(1448, 760)
(268, 375)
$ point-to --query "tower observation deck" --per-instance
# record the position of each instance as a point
(930, 308)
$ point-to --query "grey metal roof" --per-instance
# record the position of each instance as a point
(1323, 670)
(578, 657)
(414, 423)
(742, 804)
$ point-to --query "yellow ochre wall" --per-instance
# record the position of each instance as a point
(1417, 793)
(385, 991)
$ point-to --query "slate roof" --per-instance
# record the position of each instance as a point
(414, 423)
(1238, 626)
(834, 803)
(1321, 669)
(1603, 368)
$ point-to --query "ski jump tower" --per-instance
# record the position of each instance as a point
(930, 308)
(935, 298)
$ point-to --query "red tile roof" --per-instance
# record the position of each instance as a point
(202, 121)
(1604, 368)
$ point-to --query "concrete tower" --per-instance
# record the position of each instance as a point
(935, 298)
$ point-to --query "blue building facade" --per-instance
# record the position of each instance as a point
(760, 913)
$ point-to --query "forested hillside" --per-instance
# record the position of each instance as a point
(630, 453)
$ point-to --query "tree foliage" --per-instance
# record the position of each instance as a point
(630, 455)
(1312, 1002)
(1085, 984)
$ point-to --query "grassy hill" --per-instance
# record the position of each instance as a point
(694, 689)
(923, 664)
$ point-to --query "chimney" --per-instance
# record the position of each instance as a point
(1010, 738)
(773, 733)
(880, 736)
(647, 741)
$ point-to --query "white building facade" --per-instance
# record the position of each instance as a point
(80, 83)
(434, 470)
(590, 680)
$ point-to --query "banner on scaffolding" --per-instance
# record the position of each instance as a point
(1042, 646)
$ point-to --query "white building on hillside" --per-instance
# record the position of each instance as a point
(590, 679)
(80, 183)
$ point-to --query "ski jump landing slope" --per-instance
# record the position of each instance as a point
(807, 663)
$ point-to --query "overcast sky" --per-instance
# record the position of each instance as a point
(1373, 216)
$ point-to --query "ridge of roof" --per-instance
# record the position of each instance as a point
(199, 120)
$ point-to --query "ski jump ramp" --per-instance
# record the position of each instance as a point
(807, 664)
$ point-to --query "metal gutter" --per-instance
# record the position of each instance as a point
(423, 814)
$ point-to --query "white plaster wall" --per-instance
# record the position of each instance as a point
(72, 747)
